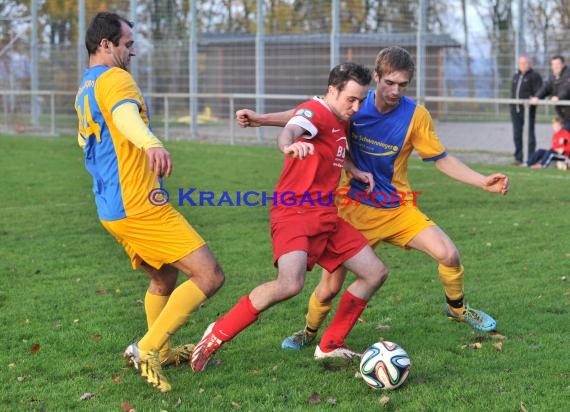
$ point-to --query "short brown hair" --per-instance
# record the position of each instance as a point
(394, 59)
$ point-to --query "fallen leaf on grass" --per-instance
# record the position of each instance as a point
(476, 345)
(178, 402)
(236, 405)
(383, 328)
(332, 401)
(396, 298)
(384, 400)
(127, 407)
(23, 378)
(563, 278)
(11, 365)
(361, 320)
(102, 292)
(35, 348)
(86, 396)
(117, 379)
(498, 346)
(96, 337)
(496, 335)
(523, 407)
(315, 399)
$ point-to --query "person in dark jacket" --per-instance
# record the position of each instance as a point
(558, 87)
(526, 83)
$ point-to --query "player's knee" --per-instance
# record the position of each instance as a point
(217, 277)
(450, 257)
(382, 274)
(289, 289)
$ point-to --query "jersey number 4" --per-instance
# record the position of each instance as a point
(87, 126)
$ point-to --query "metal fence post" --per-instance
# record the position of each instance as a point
(526, 128)
(232, 122)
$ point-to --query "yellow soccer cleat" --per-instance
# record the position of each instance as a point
(148, 364)
(177, 355)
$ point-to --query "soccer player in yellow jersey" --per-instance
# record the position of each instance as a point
(383, 134)
(127, 163)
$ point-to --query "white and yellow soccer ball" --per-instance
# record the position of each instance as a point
(385, 365)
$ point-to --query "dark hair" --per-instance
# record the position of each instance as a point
(394, 59)
(104, 25)
(558, 57)
(341, 74)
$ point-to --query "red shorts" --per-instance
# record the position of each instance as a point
(327, 238)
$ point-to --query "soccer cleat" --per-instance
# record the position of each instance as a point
(177, 355)
(132, 356)
(298, 340)
(476, 318)
(147, 363)
(204, 350)
(340, 352)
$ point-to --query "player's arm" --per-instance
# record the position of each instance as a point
(287, 144)
(249, 118)
(358, 174)
(454, 168)
(127, 118)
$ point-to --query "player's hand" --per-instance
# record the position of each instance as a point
(496, 183)
(534, 100)
(299, 150)
(160, 161)
(364, 177)
(247, 118)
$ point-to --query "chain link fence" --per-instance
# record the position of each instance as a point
(196, 76)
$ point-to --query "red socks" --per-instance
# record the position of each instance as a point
(237, 319)
(348, 312)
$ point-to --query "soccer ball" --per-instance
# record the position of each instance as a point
(385, 365)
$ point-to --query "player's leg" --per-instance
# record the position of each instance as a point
(434, 242)
(205, 278)
(173, 245)
(162, 283)
(375, 226)
(320, 304)
(370, 274)
(292, 267)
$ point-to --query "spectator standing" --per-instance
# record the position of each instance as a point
(526, 83)
(558, 87)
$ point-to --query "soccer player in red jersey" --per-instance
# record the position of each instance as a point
(305, 226)
(383, 134)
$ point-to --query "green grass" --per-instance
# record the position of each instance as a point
(70, 304)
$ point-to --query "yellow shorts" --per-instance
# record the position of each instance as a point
(158, 237)
(397, 226)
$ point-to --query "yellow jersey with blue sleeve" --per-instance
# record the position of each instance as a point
(381, 143)
(121, 173)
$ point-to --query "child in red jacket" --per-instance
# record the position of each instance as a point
(560, 145)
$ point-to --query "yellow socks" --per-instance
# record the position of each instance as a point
(153, 305)
(185, 299)
(452, 279)
(316, 314)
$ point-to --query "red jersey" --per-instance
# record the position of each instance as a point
(561, 141)
(311, 182)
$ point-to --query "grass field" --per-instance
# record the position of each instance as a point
(70, 303)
